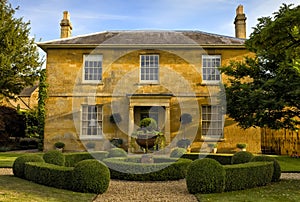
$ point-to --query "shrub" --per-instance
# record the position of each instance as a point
(19, 164)
(161, 170)
(248, 175)
(222, 159)
(59, 145)
(91, 176)
(205, 176)
(49, 174)
(241, 157)
(54, 157)
(241, 145)
(277, 169)
(177, 152)
(148, 123)
(71, 159)
(116, 152)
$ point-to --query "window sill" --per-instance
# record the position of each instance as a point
(92, 83)
(94, 137)
(148, 83)
(212, 139)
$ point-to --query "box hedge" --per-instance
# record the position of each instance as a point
(241, 157)
(248, 175)
(116, 152)
(277, 169)
(177, 152)
(54, 157)
(222, 159)
(71, 159)
(19, 164)
(161, 170)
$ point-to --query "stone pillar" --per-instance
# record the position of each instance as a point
(131, 126)
(167, 126)
(65, 26)
(240, 23)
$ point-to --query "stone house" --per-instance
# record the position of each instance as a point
(158, 74)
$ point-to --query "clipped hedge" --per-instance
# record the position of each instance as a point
(177, 152)
(241, 157)
(19, 164)
(71, 159)
(91, 176)
(161, 170)
(222, 159)
(248, 175)
(205, 176)
(54, 157)
(49, 174)
(116, 152)
(277, 169)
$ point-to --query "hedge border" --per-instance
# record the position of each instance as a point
(222, 159)
(71, 159)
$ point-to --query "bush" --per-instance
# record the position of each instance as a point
(161, 170)
(59, 145)
(177, 152)
(116, 152)
(54, 157)
(277, 169)
(205, 176)
(241, 145)
(248, 175)
(241, 157)
(71, 159)
(49, 174)
(91, 176)
(19, 164)
(148, 123)
(222, 159)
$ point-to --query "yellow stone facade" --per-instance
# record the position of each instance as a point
(180, 90)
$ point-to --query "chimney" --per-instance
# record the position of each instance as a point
(240, 22)
(65, 26)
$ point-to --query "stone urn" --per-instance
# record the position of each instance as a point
(146, 141)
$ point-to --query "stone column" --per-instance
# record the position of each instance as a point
(131, 126)
(167, 126)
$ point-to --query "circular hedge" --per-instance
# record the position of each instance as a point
(241, 157)
(91, 176)
(177, 152)
(116, 152)
(162, 169)
(19, 164)
(277, 170)
(54, 157)
(205, 176)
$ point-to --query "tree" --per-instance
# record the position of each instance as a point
(264, 90)
(19, 59)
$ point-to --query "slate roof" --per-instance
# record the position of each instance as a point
(26, 92)
(145, 37)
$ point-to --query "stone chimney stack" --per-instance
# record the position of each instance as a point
(65, 26)
(240, 22)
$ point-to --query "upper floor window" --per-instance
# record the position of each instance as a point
(212, 121)
(91, 121)
(149, 68)
(92, 68)
(210, 65)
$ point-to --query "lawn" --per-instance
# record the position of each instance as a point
(13, 189)
(7, 158)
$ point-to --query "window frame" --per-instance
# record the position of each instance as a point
(99, 121)
(85, 58)
(215, 68)
(219, 122)
(143, 81)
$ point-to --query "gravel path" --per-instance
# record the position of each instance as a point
(168, 191)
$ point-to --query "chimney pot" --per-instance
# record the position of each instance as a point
(65, 25)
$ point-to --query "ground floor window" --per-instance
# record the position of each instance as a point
(91, 120)
(212, 121)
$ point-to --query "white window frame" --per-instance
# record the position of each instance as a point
(211, 69)
(93, 59)
(147, 70)
(212, 121)
(91, 122)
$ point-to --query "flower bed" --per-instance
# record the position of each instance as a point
(162, 169)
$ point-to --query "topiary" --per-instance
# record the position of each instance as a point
(177, 152)
(91, 176)
(205, 176)
(54, 157)
(148, 123)
(19, 164)
(277, 170)
(116, 152)
(241, 157)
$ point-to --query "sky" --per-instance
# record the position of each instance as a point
(90, 16)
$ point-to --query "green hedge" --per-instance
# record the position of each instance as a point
(241, 157)
(205, 176)
(222, 159)
(54, 157)
(248, 175)
(177, 152)
(49, 174)
(277, 169)
(19, 164)
(161, 170)
(71, 159)
(116, 152)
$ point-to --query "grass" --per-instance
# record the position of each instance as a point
(288, 164)
(285, 190)
(13, 189)
(7, 158)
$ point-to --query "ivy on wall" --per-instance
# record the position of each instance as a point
(41, 106)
